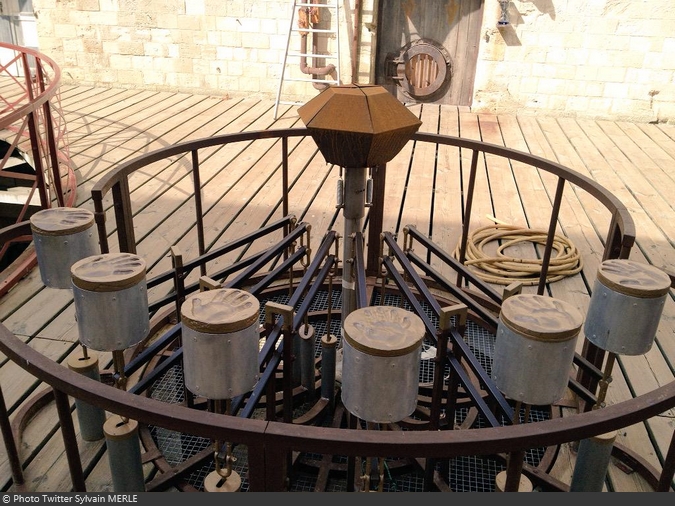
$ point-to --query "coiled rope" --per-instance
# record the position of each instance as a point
(504, 270)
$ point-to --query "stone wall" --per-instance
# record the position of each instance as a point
(611, 59)
(219, 47)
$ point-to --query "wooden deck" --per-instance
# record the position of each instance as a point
(106, 127)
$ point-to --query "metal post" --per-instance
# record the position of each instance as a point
(70, 441)
(124, 454)
(593, 459)
(353, 211)
(10, 443)
(91, 418)
(328, 354)
(306, 338)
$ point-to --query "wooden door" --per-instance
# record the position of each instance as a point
(427, 49)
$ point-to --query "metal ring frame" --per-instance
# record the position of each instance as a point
(270, 442)
(34, 121)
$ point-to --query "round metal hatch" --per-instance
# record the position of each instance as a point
(423, 69)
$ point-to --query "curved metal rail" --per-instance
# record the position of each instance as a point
(269, 442)
(31, 120)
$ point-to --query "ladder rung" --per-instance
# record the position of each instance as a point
(315, 5)
(310, 80)
(331, 4)
(313, 30)
(311, 55)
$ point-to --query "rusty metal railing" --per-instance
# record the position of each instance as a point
(269, 442)
(31, 121)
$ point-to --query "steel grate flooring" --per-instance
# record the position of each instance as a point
(464, 474)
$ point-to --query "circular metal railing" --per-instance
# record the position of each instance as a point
(270, 442)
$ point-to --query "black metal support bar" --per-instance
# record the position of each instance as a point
(550, 237)
(69, 440)
(10, 443)
(665, 482)
(306, 285)
(193, 287)
(375, 219)
(284, 176)
(270, 355)
(285, 266)
(199, 215)
(456, 338)
(151, 351)
(584, 394)
(455, 264)
(474, 306)
(466, 217)
(52, 146)
(359, 272)
(157, 372)
(269, 255)
(454, 363)
(331, 260)
(124, 216)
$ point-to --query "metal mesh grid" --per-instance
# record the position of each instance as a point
(473, 474)
(469, 473)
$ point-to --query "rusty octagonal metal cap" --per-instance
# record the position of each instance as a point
(358, 125)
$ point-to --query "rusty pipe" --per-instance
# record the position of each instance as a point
(314, 71)
(355, 40)
(309, 16)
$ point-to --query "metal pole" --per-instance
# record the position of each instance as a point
(328, 353)
(10, 443)
(353, 211)
(306, 338)
(124, 454)
(91, 418)
(593, 459)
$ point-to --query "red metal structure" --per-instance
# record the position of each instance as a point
(36, 160)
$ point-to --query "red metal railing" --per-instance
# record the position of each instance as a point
(31, 121)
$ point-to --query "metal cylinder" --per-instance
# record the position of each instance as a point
(592, 462)
(62, 236)
(111, 301)
(124, 454)
(307, 376)
(220, 342)
(214, 482)
(534, 348)
(626, 306)
(524, 485)
(91, 418)
(353, 211)
(328, 362)
(382, 348)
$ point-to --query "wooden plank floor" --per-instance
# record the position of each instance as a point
(425, 187)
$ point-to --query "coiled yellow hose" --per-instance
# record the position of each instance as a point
(504, 270)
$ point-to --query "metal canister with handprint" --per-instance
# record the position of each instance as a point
(534, 348)
(220, 342)
(111, 301)
(380, 369)
(626, 306)
(62, 236)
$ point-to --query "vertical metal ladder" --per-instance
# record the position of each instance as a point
(307, 14)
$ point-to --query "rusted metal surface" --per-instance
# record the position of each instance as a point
(358, 126)
(31, 117)
(269, 441)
